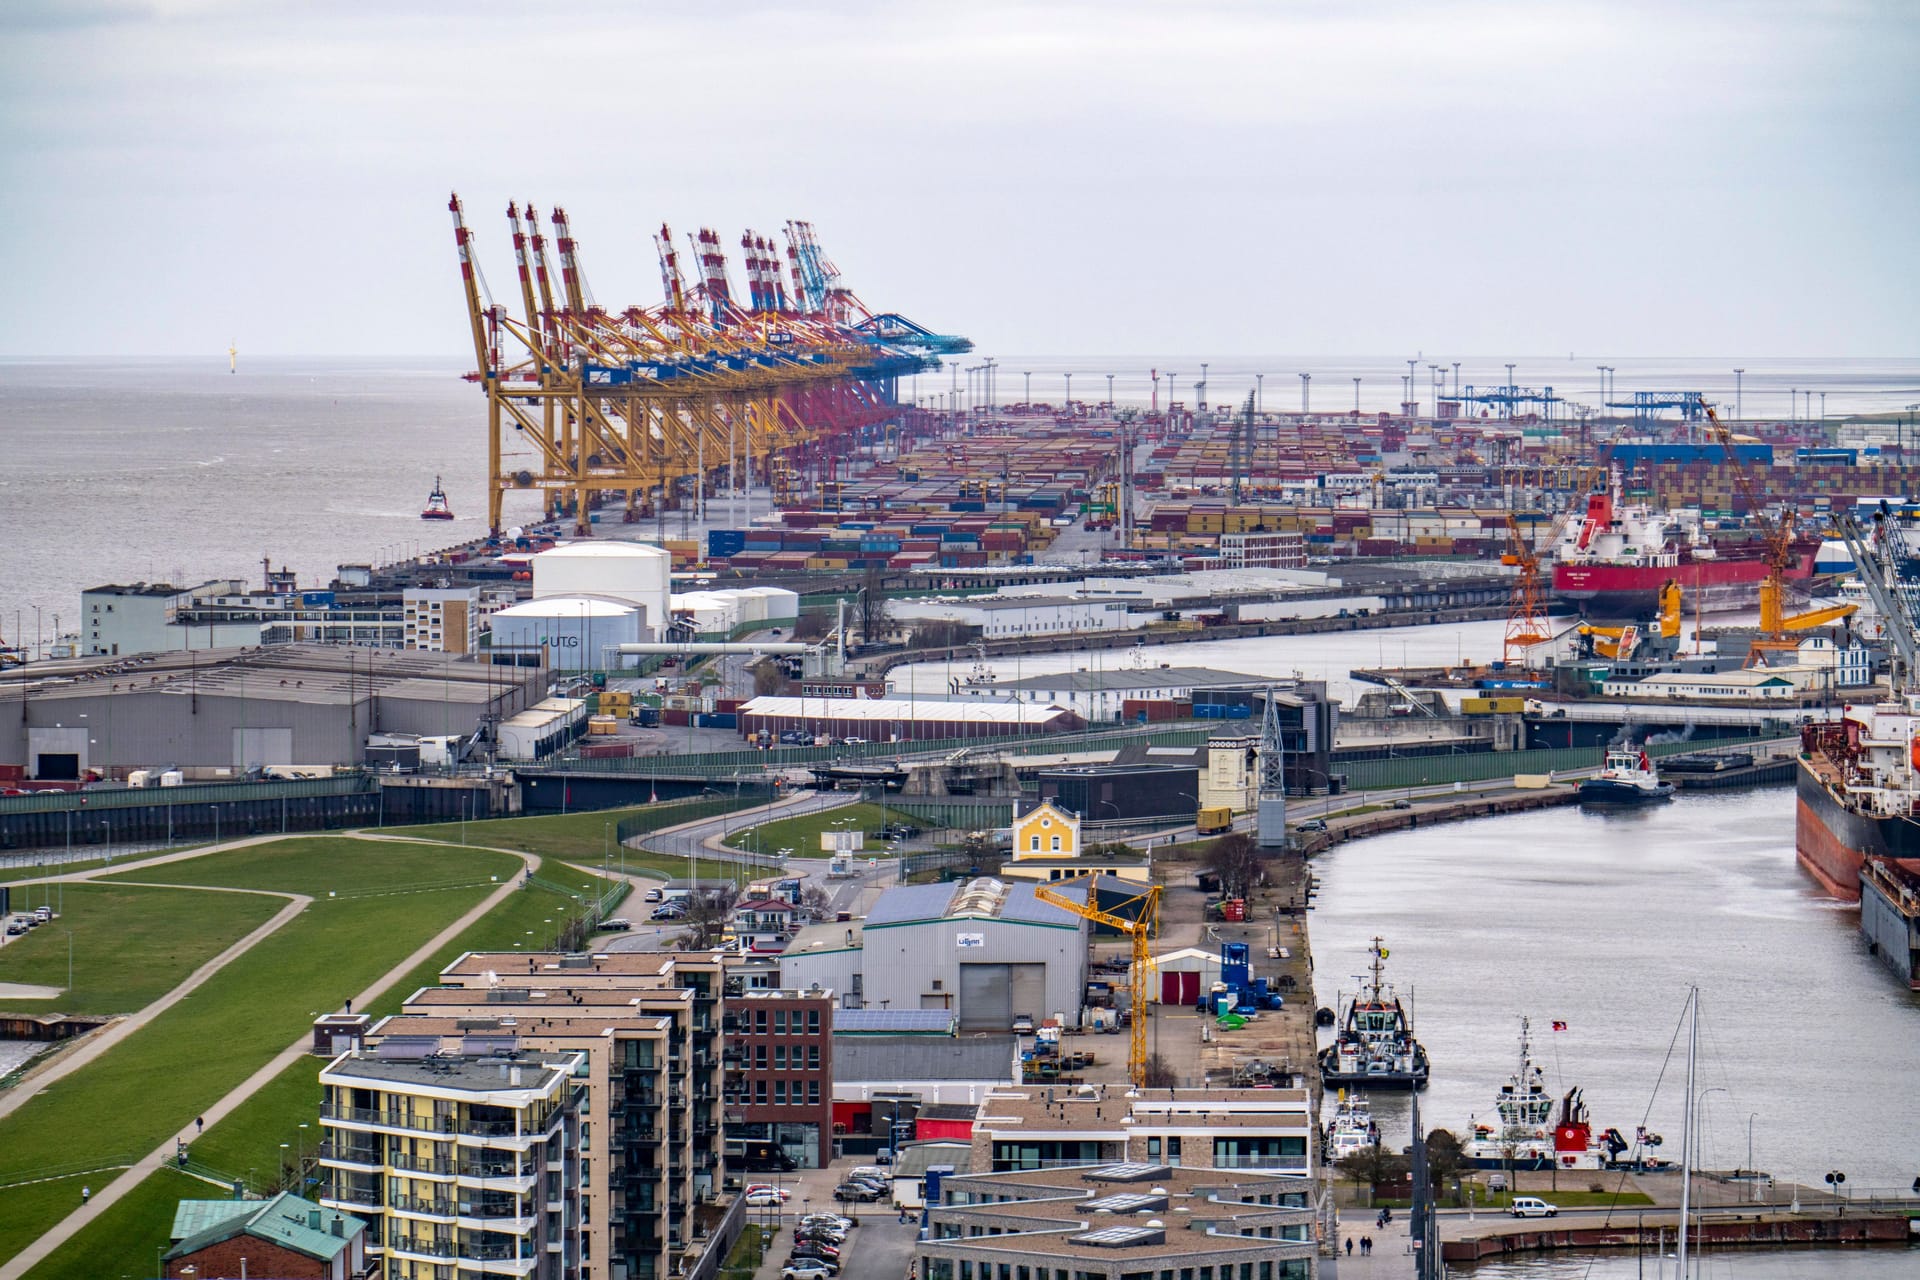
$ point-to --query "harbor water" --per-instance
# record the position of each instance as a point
(1876, 1263)
(1601, 921)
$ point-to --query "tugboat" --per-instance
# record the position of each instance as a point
(1627, 778)
(1374, 1046)
(437, 508)
(1352, 1129)
(1529, 1138)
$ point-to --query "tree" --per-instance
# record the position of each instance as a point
(1444, 1156)
(1236, 860)
(942, 633)
(706, 919)
(769, 680)
(1376, 1166)
(1158, 1073)
(814, 901)
(1116, 849)
(873, 607)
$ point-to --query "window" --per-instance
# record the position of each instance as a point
(1056, 844)
(779, 1057)
(779, 1022)
(760, 1092)
(813, 1022)
(813, 1093)
(760, 1057)
(779, 1093)
(760, 1022)
(813, 1057)
(1035, 846)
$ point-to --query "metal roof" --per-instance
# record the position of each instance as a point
(892, 1059)
(893, 1021)
(1143, 678)
(285, 1220)
(908, 902)
(886, 710)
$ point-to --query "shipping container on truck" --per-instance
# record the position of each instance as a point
(1213, 820)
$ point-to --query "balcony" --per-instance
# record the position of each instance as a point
(351, 1196)
(641, 1068)
(364, 1154)
(432, 1166)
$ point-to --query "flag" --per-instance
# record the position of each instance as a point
(1559, 1026)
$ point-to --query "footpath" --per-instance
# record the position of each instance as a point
(83, 1215)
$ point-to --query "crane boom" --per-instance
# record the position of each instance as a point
(1139, 929)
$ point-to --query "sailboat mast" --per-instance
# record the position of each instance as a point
(1686, 1129)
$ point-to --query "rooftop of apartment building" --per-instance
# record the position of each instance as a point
(1088, 1107)
(784, 993)
(1135, 1211)
(584, 969)
(493, 1072)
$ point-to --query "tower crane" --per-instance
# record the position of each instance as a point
(1138, 918)
(1777, 541)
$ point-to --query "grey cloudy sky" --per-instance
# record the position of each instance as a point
(1313, 177)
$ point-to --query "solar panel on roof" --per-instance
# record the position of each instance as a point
(1120, 1237)
(892, 1020)
(1125, 1202)
(1126, 1172)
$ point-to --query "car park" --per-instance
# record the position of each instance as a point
(858, 1192)
(821, 1234)
(1532, 1207)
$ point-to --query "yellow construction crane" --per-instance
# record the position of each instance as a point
(1138, 918)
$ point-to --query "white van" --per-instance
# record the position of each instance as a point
(1532, 1207)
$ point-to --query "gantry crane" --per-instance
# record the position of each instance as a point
(1526, 614)
(1777, 542)
(1138, 918)
(638, 401)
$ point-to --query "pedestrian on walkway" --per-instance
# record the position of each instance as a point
(86, 1194)
(1366, 1246)
(1349, 1246)
(199, 1124)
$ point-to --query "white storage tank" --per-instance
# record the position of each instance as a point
(707, 611)
(575, 633)
(782, 605)
(631, 571)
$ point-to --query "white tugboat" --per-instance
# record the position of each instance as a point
(1374, 1045)
(1628, 777)
(1352, 1129)
(1528, 1136)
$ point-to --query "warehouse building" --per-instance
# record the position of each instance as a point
(236, 709)
(983, 949)
(1017, 617)
(901, 719)
(1131, 693)
(1124, 793)
(1122, 1221)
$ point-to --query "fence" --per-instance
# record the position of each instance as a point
(724, 763)
(192, 793)
(673, 813)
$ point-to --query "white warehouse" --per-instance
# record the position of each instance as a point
(569, 632)
(984, 949)
(1002, 618)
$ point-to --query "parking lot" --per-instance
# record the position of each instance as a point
(878, 1249)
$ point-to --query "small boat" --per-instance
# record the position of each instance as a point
(1352, 1129)
(437, 508)
(1628, 777)
(1374, 1046)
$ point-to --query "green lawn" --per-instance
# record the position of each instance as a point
(16, 867)
(172, 1069)
(582, 836)
(334, 865)
(802, 833)
(130, 945)
(127, 1238)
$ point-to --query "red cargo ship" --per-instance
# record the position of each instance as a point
(1615, 559)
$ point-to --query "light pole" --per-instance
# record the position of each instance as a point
(1259, 392)
(1750, 1116)
(1028, 375)
(1737, 373)
(1109, 393)
(1069, 392)
(1306, 386)
(1356, 397)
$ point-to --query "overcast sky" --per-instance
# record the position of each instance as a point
(1336, 177)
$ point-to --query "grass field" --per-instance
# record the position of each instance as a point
(169, 1071)
(130, 945)
(16, 867)
(584, 837)
(802, 833)
(126, 1239)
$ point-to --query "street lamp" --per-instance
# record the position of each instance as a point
(1109, 393)
(1356, 397)
(1736, 393)
(1069, 391)
(1306, 385)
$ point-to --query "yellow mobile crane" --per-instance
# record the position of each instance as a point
(1139, 928)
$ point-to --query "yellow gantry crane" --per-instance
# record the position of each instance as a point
(1138, 918)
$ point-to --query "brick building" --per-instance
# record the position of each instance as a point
(778, 1059)
(285, 1237)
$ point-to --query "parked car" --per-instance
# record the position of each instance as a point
(765, 1198)
(1023, 1024)
(654, 895)
(832, 1265)
(857, 1192)
(1401, 804)
(807, 1269)
(619, 924)
(823, 1232)
(43, 914)
(853, 742)
(16, 926)
(780, 1191)
(830, 1219)
(668, 911)
(1532, 1207)
(1313, 824)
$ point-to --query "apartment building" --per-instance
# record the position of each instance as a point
(1126, 1221)
(778, 1081)
(650, 1027)
(465, 1162)
(442, 619)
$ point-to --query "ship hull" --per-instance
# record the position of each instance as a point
(1833, 842)
(1633, 591)
(1890, 918)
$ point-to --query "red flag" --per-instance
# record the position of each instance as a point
(1559, 1026)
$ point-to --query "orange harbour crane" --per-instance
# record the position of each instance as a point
(1138, 919)
(586, 403)
(1526, 605)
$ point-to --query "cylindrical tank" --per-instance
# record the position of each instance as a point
(570, 632)
(632, 571)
